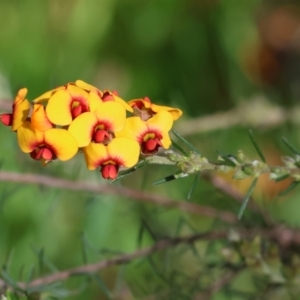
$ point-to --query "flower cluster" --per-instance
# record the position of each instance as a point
(111, 133)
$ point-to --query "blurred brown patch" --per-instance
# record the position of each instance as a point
(263, 60)
(266, 189)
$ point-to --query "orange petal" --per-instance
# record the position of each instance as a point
(111, 113)
(21, 108)
(81, 128)
(95, 154)
(62, 142)
(140, 103)
(125, 151)
(39, 119)
(28, 138)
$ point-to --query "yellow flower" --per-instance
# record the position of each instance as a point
(120, 152)
(20, 111)
(146, 109)
(150, 134)
(104, 95)
(99, 126)
(67, 104)
(46, 145)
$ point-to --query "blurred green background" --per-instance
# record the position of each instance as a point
(202, 56)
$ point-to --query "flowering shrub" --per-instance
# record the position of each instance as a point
(78, 117)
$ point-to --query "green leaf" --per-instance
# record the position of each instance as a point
(103, 286)
(186, 142)
(227, 159)
(169, 178)
(245, 202)
(192, 189)
(127, 172)
(179, 148)
(258, 150)
(290, 146)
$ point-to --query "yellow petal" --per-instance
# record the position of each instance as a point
(113, 114)
(124, 151)
(175, 112)
(123, 103)
(62, 143)
(86, 86)
(162, 121)
(46, 96)
(78, 94)
(21, 108)
(134, 129)
(94, 101)
(39, 119)
(59, 108)
(28, 138)
(95, 154)
(82, 128)
(166, 141)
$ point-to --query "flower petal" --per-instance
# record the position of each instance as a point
(175, 112)
(112, 113)
(62, 142)
(140, 103)
(59, 108)
(162, 121)
(94, 155)
(123, 102)
(81, 128)
(86, 86)
(134, 129)
(46, 96)
(124, 150)
(39, 119)
(21, 108)
(94, 101)
(28, 138)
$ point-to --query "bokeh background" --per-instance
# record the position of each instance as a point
(203, 56)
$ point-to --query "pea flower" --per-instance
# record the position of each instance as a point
(104, 95)
(150, 134)
(20, 111)
(48, 145)
(66, 104)
(146, 109)
(120, 152)
(99, 126)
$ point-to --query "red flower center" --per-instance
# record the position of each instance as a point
(6, 119)
(151, 146)
(109, 171)
(43, 152)
(101, 136)
(78, 107)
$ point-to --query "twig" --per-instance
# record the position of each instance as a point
(139, 196)
(119, 260)
(257, 112)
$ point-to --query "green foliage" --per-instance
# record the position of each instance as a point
(190, 54)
